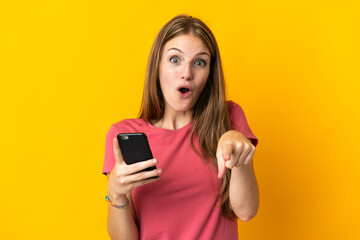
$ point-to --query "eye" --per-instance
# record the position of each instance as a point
(174, 59)
(200, 62)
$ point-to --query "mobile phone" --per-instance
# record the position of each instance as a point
(135, 148)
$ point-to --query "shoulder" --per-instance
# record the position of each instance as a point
(239, 122)
(126, 126)
(129, 125)
(237, 116)
(235, 110)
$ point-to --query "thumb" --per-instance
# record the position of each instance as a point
(117, 152)
(227, 150)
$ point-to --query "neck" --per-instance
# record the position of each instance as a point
(174, 120)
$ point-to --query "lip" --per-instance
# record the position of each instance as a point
(184, 95)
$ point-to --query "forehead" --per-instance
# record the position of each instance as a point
(187, 43)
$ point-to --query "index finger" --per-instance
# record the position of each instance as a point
(221, 163)
(117, 152)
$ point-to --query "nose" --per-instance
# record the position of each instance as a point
(187, 72)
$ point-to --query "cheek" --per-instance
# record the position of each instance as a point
(202, 87)
(168, 78)
(166, 72)
(204, 79)
(165, 82)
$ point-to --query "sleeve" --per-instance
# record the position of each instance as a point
(239, 122)
(109, 159)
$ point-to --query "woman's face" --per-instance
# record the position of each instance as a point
(183, 72)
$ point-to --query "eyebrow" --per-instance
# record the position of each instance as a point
(200, 53)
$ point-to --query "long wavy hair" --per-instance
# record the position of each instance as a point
(210, 114)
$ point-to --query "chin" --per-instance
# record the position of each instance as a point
(186, 107)
(182, 109)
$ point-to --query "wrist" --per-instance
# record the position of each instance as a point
(120, 199)
(241, 171)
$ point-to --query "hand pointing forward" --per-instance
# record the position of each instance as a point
(233, 150)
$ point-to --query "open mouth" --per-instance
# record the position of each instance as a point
(184, 90)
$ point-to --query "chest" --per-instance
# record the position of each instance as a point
(185, 175)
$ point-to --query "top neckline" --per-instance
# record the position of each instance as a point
(184, 128)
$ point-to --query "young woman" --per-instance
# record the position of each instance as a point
(201, 143)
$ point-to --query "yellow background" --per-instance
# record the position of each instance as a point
(69, 69)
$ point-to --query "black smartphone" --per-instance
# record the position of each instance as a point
(135, 148)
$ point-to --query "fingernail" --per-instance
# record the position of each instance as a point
(154, 161)
(228, 165)
(159, 171)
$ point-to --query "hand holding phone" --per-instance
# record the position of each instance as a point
(133, 167)
(135, 148)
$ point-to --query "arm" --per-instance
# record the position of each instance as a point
(235, 151)
(122, 179)
(121, 223)
(244, 194)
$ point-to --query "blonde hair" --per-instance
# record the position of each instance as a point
(210, 114)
